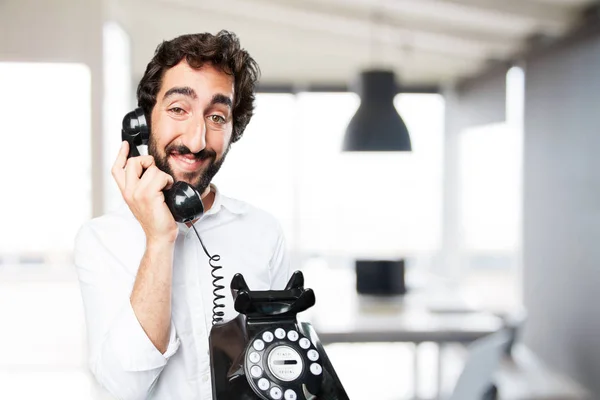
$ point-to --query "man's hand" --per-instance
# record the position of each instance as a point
(141, 183)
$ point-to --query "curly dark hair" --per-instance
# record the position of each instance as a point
(221, 50)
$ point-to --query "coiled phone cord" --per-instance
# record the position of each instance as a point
(217, 315)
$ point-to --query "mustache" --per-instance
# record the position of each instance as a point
(183, 150)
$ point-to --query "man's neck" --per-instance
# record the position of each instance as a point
(208, 198)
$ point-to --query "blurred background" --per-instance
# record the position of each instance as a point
(488, 225)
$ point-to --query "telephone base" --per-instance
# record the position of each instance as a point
(228, 347)
(265, 354)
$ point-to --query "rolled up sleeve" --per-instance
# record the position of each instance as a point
(134, 350)
(121, 356)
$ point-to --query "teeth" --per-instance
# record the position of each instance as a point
(187, 160)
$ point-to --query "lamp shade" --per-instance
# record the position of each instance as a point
(376, 126)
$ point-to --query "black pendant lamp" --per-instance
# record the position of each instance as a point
(376, 126)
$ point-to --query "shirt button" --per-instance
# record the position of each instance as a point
(205, 378)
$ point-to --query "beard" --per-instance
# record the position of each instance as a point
(201, 182)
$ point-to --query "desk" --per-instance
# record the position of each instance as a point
(402, 325)
(431, 313)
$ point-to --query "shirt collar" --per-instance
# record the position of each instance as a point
(222, 201)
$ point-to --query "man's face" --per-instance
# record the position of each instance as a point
(192, 123)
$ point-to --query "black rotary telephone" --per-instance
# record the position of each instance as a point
(183, 199)
(265, 354)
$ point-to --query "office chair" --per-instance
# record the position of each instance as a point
(476, 379)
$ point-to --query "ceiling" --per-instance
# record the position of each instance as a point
(326, 42)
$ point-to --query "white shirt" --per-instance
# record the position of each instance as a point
(108, 251)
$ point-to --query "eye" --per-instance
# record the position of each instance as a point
(177, 110)
(217, 119)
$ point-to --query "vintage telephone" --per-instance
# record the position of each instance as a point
(264, 353)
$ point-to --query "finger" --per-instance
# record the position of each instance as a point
(170, 182)
(118, 171)
(154, 180)
(135, 168)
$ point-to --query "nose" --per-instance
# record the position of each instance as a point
(195, 136)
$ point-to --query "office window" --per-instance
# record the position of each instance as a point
(490, 171)
(490, 179)
(45, 117)
(490, 210)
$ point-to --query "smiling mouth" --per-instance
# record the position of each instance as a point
(187, 162)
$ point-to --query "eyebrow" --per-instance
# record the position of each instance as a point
(187, 91)
(221, 99)
(183, 90)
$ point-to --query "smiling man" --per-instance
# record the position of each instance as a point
(145, 281)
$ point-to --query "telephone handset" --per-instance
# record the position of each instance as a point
(265, 354)
(183, 199)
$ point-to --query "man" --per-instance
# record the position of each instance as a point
(146, 282)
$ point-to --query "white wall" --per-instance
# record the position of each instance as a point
(561, 255)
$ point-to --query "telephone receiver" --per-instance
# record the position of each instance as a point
(183, 200)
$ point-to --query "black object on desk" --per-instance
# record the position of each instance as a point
(265, 353)
(380, 277)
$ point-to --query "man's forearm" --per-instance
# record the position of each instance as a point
(151, 295)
